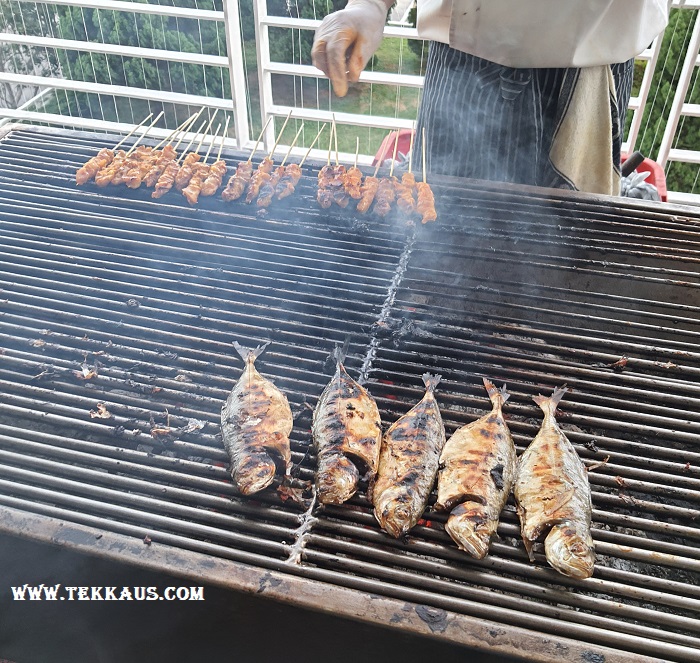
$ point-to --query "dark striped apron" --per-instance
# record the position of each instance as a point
(490, 122)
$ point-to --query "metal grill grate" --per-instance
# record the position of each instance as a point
(532, 288)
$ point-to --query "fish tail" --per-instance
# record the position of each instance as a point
(549, 405)
(497, 396)
(431, 381)
(248, 353)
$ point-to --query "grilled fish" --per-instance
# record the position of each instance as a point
(408, 464)
(476, 475)
(256, 421)
(554, 497)
(347, 435)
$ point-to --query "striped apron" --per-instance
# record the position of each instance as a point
(486, 121)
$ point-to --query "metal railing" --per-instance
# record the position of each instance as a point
(254, 82)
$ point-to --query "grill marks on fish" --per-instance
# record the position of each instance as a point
(408, 464)
(256, 422)
(476, 475)
(347, 435)
(554, 497)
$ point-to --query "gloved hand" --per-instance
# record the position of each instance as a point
(347, 39)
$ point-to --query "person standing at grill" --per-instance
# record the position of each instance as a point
(533, 92)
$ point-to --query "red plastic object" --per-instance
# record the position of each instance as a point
(657, 177)
(386, 149)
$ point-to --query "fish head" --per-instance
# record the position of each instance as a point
(394, 512)
(336, 479)
(570, 552)
(254, 473)
(466, 527)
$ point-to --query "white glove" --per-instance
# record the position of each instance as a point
(347, 39)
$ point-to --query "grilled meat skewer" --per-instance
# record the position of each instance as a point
(368, 191)
(94, 165)
(238, 182)
(426, 202)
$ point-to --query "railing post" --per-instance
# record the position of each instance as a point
(262, 41)
(234, 50)
(691, 57)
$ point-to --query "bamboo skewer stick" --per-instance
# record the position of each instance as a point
(313, 142)
(143, 135)
(131, 133)
(206, 131)
(425, 174)
(223, 138)
(186, 129)
(294, 142)
(330, 146)
(187, 149)
(335, 139)
(257, 142)
(357, 149)
(174, 132)
(410, 150)
(216, 135)
(279, 136)
(393, 158)
(379, 162)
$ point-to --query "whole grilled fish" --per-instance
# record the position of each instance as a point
(408, 464)
(476, 476)
(347, 434)
(256, 421)
(554, 496)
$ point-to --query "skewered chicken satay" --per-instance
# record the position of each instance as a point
(104, 176)
(135, 175)
(103, 158)
(324, 195)
(201, 172)
(187, 170)
(88, 171)
(426, 200)
(385, 196)
(168, 153)
(131, 162)
(386, 191)
(166, 181)
(258, 178)
(337, 184)
(368, 191)
(353, 177)
(217, 170)
(264, 171)
(269, 187)
(238, 182)
(292, 173)
(405, 194)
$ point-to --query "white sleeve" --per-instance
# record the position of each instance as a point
(545, 33)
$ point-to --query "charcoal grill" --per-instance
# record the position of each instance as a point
(526, 286)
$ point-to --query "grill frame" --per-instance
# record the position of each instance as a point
(377, 358)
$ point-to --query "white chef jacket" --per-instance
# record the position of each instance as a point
(545, 33)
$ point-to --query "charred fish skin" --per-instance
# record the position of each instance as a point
(553, 496)
(408, 464)
(346, 430)
(477, 472)
(256, 422)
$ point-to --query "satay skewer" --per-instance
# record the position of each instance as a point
(199, 174)
(116, 171)
(406, 190)
(426, 200)
(386, 190)
(292, 172)
(169, 153)
(324, 195)
(187, 170)
(353, 176)
(103, 158)
(269, 187)
(167, 178)
(368, 190)
(218, 169)
(264, 170)
(238, 182)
